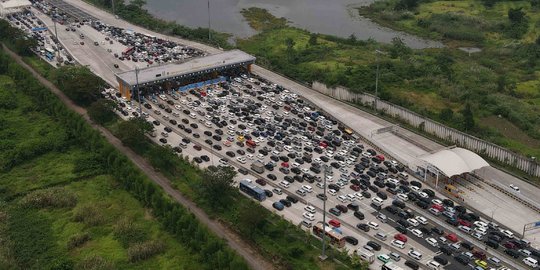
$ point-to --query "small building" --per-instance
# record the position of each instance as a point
(13, 6)
(175, 75)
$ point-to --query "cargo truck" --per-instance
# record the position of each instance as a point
(257, 166)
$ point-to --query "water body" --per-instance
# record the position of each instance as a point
(333, 17)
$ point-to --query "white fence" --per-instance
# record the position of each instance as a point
(439, 130)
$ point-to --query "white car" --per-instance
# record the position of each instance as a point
(432, 241)
(508, 233)
(307, 188)
(415, 254)
(477, 235)
(414, 188)
(342, 198)
(249, 156)
(480, 224)
(310, 209)
(373, 225)
(309, 216)
(358, 195)
(514, 188)
(351, 197)
(241, 160)
(437, 202)
(481, 230)
(423, 194)
(284, 184)
(421, 219)
(397, 243)
(332, 192)
(413, 222)
(417, 232)
(403, 197)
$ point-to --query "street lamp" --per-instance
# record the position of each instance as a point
(377, 79)
(138, 89)
(323, 256)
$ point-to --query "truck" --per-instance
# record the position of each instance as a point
(257, 166)
(391, 266)
(365, 255)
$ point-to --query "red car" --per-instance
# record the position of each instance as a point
(479, 254)
(380, 157)
(438, 207)
(464, 223)
(285, 164)
(452, 237)
(509, 245)
(334, 223)
(400, 237)
(261, 182)
(355, 187)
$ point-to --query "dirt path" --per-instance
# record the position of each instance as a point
(254, 260)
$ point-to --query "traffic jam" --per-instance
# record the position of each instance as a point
(284, 149)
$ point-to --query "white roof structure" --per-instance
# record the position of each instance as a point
(11, 6)
(455, 161)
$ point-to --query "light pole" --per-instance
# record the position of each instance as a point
(377, 80)
(209, 37)
(112, 4)
(138, 89)
(323, 256)
(57, 40)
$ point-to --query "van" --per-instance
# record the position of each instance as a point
(396, 257)
(530, 262)
(465, 229)
(381, 236)
(306, 223)
(377, 201)
(398, 244)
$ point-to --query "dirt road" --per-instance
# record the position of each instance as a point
(254, 260)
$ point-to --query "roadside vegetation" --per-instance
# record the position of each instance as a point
(69, 200)
(493, 94)
(284, 243)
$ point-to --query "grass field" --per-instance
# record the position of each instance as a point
(56, 216)
(502, 79)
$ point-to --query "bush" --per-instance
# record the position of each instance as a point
(77, 240)
(126, 232)
(143, 251)
(94, 262)
(89, 215)
(52, 197)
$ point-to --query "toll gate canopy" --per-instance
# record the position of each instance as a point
(455, 161)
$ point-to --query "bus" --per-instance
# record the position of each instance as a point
(253, 191)
(49, 53)
(128, 51)
(336, 239)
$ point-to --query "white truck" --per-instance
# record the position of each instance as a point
(365, 255)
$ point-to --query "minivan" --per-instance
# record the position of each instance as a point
(530, 262)
(381, 236)
(306, 223)
(396, 257)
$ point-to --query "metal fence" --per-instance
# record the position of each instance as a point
(451, 135)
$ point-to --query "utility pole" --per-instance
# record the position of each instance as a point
(377, 80)
(57, 40)
(138, 91)
(209, 35)
(112, 4)
(323, 256)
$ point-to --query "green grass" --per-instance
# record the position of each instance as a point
(47, 157)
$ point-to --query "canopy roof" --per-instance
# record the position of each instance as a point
(455, 161)
(14, 4)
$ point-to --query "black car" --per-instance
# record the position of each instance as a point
(401, 229)
(168, 129)
(363, 226)
(322, 196)
(268, 193)
(335, 211)
(271, 177)
(292, 198)
(366, 194)
(156, 122)
(205, 158)
(492, 244)
(382, 195)
(467, 245)
(411, 264)
(217, 147)
(376, 246)
(163, 140)
(437, 230)
(230, 154)
(197, 159)
(440, 259)
(512, 252)
(351, 240)
(285, 202)
(445, 249)
(462, 259)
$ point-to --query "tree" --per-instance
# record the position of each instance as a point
(516, 15)
(79, 84)
(406, 4)
(489, 3)
(446, 114)
(217, 186)
(250, 218)
(138, 3)
(352, 38)
(468, 117)
(312, 39)
(101, 111)
(131, 132)
(399, 48)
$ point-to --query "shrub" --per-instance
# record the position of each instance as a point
(52, 197)
(126, 232)
(94, 262)
(89, 215)
(143, 251)
(77, 240)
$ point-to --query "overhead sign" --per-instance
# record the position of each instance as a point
(35, 29)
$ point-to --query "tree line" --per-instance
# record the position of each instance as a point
(211, 252)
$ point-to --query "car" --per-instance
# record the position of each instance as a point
(321, 196)
(512, 253)
(417, 233)
(415, 254)
(514, 188)
(309, 216)
(334, 211)
(376, 246)
(278, 205)
(383, 258)
(335, 223)
(421, 220)
(413, 222)
(431, 241)
(278, 191)
(396, 257)
(363, 226)
(411, 264)
(351, 240)
(268, 193)
(373, 225)
(285, 202)
(463, 259)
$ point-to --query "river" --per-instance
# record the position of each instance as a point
(333, 17)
